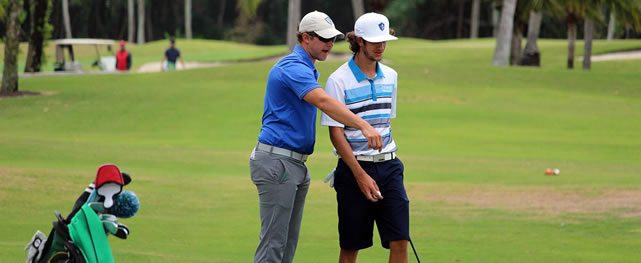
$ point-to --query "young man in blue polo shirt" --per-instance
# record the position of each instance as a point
(288, 134)
(368, 88)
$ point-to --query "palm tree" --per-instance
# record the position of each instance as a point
(593, 13)
(502, 48)
(358, 8)
(13, 9)
(531, 55)
(588, 30)
(474, 25)
(39, 19)
(612, 24)
(141, 22)
(496, 16)
(131, 24)
(520, 18)
(627, 12)
(631, 13)
(221, 14)
(248, 26)
(188, 19)
(66, 19)
(574, 11)
(531, 12)
(293, 18)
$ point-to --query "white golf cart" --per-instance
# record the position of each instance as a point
(69, 63)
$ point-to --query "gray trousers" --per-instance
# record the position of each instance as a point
(282, 185)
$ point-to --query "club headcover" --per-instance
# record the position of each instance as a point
(126, 177)
(109, 191)
(126, 204)
(109, 173)
(35, 247)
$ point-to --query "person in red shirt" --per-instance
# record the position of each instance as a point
(123, 58)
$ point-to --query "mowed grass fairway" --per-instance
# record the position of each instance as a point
(475, 140)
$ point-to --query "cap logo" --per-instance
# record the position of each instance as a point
(329, 20)
(381, 26)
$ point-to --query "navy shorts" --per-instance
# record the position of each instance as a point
(356, 214)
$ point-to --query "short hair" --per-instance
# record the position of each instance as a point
(353, 40)
(299, 36)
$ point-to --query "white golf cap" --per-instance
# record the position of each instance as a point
(373, 27)
(319, 23)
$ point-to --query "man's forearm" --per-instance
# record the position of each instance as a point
(340, 113)
(336, 110)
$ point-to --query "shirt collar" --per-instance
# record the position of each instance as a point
(358, 73)
(303, 54)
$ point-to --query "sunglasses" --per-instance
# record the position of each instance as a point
(324, 40)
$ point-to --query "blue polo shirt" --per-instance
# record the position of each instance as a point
(289, 121)
(172, 54)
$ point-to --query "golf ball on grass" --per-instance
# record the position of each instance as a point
(552, 171)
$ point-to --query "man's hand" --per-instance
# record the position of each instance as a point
(374, 140)
(368, 187)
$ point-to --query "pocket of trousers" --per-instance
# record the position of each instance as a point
(267, 170)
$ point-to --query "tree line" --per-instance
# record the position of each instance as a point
(268, 22)
(146, 20)
(519, 14)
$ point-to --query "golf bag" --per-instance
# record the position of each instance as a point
(82, 236)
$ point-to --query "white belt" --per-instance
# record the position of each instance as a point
(376, 158)
(281, 151)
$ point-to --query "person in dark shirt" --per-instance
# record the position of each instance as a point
(123, 58)
(172, 54)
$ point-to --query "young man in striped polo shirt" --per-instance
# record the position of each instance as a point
(369, 183)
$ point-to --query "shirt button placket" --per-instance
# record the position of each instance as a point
(373, 87)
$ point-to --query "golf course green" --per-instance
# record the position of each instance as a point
(475, 140)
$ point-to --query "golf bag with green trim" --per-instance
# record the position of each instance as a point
(82, 236)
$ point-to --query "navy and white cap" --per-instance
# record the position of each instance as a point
(373, 28)
(319, 23)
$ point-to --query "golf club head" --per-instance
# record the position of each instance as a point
(122, 232)
(110, 227)
(108, 217)
(98, 207)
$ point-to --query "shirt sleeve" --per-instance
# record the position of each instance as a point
(334, 89)
(299, 79)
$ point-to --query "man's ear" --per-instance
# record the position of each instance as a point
(307, 37)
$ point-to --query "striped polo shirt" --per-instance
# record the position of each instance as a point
(372, 99)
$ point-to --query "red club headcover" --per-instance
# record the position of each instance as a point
(108, 173)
